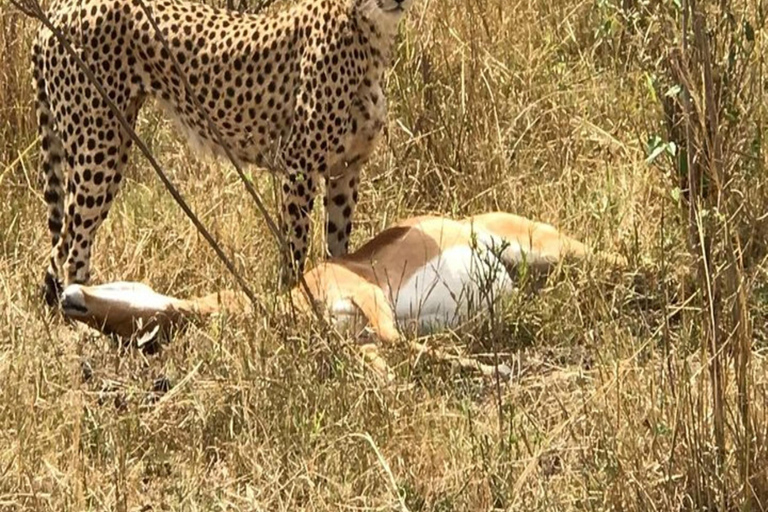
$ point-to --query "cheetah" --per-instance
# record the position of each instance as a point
(296, 91)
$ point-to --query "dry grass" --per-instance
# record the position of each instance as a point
(542, 108)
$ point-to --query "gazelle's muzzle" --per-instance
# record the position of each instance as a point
(73, 302)
(121, 308)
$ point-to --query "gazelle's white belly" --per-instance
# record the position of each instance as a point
(454, 285)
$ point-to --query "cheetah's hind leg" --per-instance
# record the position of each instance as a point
(96, 159)
(51, 170)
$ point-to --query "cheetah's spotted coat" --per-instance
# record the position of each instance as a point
(298, 91)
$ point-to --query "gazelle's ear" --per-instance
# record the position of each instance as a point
(370, 299)
(373, 304)
(147, 333)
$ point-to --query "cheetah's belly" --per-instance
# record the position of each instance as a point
(245, 88)
(254, 124)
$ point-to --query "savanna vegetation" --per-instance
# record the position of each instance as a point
(637, 126)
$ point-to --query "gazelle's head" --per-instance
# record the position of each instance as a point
(121, 308)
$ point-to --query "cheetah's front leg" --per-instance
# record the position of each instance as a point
(367, 115)
(340, 201)
(299, 191)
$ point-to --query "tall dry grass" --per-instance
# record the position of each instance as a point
(626, 395)
(15, 88)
